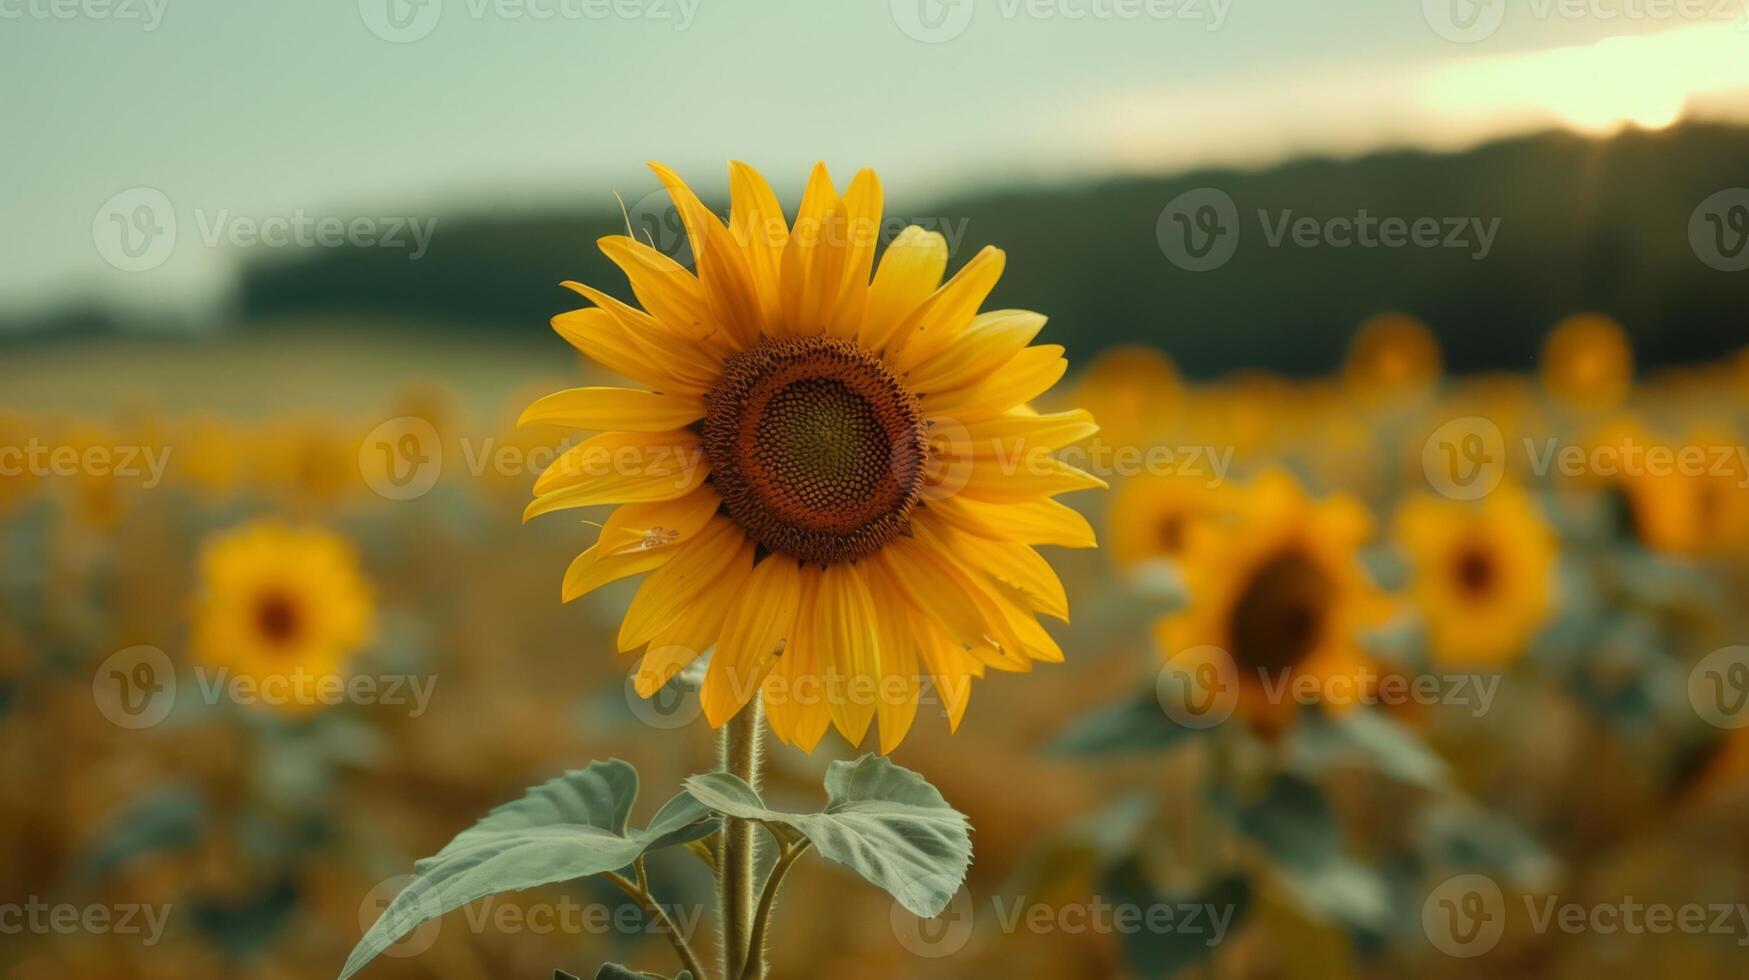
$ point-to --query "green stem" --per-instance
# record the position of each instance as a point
(640, 891)
(755, 969)
(738, 846)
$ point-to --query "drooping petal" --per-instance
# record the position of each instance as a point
(677, 584)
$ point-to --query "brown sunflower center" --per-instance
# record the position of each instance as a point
(815, 447)
(1475, 571)
(1280, 615)
(277, 617)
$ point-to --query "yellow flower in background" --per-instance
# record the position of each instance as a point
(1281, 592)
(1392, 356)
(1133, 390)
(213, 456)
(1481, 573)
(1157, 515)
(310, 462)
(1587, 362)
(1660, 505)
(834, 481)
(17, 479)
(281, 602)
(1720, 490)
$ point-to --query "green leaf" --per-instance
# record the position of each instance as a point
(882, 821)
(1138, 724)
(1202, 921)
(1294, 823)
(1370, 739)
(569, 827)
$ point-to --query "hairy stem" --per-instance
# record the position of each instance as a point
(737, 853)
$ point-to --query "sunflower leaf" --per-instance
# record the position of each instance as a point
(882, 821)
(569, 827)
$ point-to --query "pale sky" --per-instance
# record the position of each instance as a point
(255, 109)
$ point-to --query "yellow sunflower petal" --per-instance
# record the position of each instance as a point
(861, 232)
(677, 584)
(990, 342)
(688, 365)
(663, 287)
(1028, 375)
(625, 453)
(810, 267)
(1014, 433)
(1012, 482)
(722, 265)
(658, 524)
(753, 634)
(591, 570)
(757, 221)
(613, 408)
(1032, 522)
(909, 272)
(936, 324)
(847, 644)
(897, 676)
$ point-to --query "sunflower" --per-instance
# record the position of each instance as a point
(1392, 357)
(1156, 516)
(836, 481)
(1281, 593)
(1587, 363)
(1133, 390)
(281, 602)
(1659, 506)
(1481, 574)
